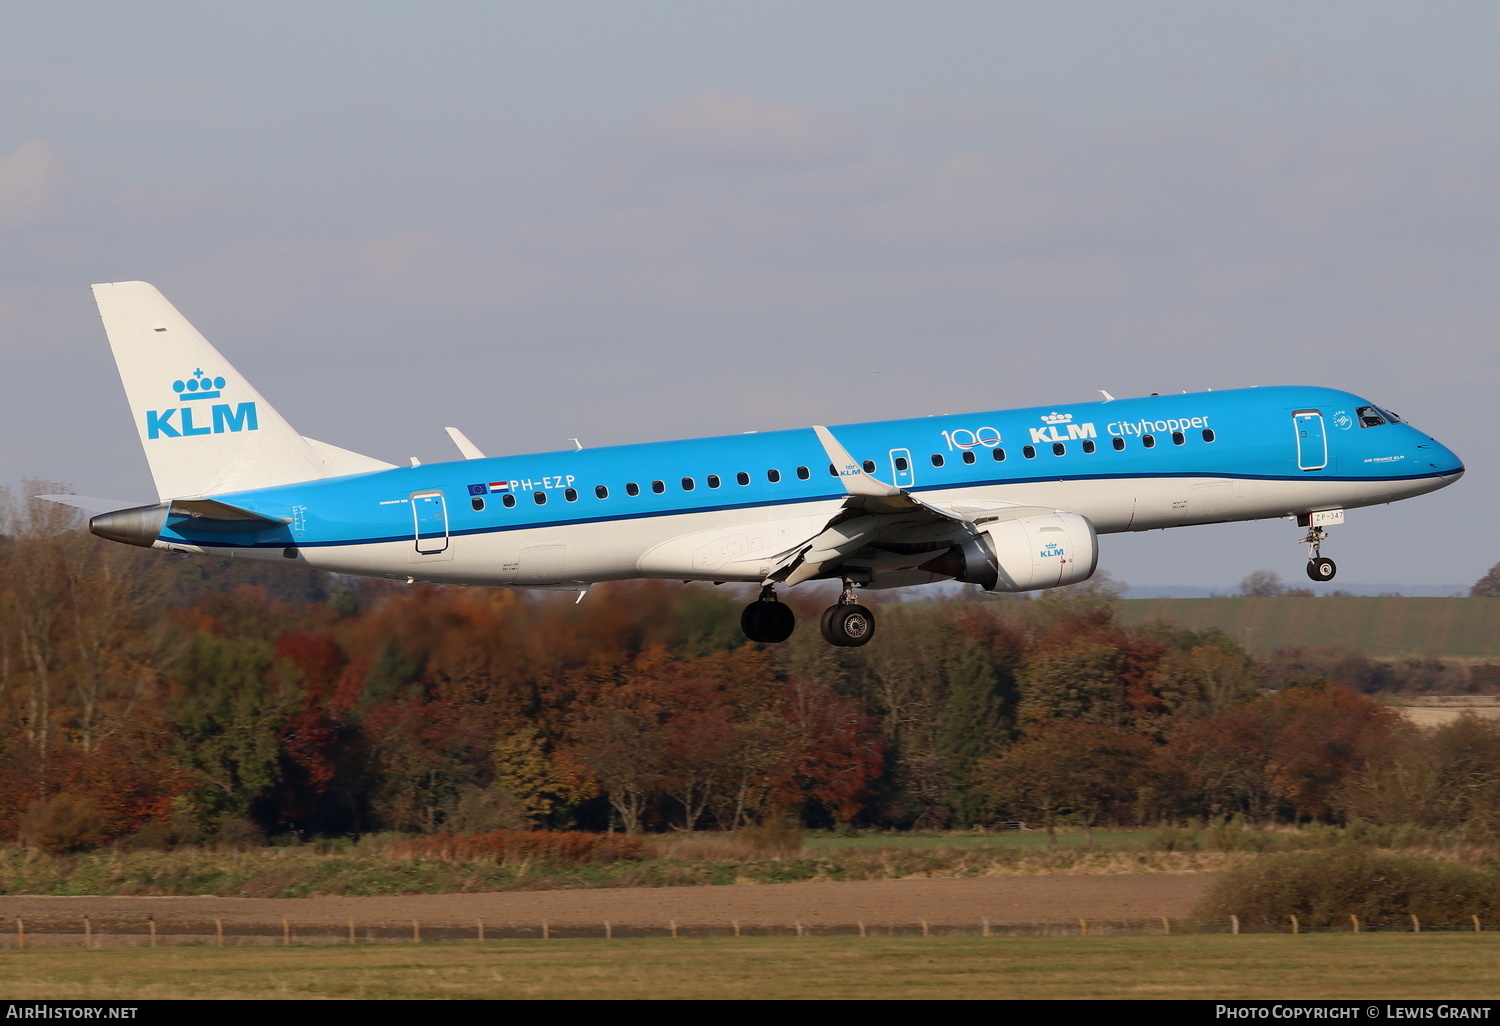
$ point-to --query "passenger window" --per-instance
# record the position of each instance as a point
(969, 456)
(869, 466)
(508, 500)
(1118, 443)
(1058, 448)
(742, 477)
(1208, 434)
(540, 498)
(1088, 445)
(1369, 416)
(477, 503)
(803, 474)
(571, 495)
(658, 486)
(1149, 441)
(773, 476)
(999, 455)
(1178, 438)
(601, 491)
(631, 488)
(902, 464)
(937, 459)
(713, 480)
(1029, 451)
(687, 484)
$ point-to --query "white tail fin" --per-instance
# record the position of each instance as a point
(205, 429)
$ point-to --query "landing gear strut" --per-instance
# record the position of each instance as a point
(847, 624)
(1319, 567)
(767, 620)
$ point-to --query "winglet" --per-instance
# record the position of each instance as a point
(856, 481)
(468, 448)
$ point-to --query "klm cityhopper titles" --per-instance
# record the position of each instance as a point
(1010, 500)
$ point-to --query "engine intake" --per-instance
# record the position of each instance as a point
(1046, 550)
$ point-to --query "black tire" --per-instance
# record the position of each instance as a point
(777, 622)
(1321, 569)
(848, 626)
(768, 623)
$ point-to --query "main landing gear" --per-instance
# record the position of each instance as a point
(1319, 567)
(848, 624)
(769, 621)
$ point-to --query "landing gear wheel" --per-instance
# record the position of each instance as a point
(847, 625)
(768, 621)
(1321, 569)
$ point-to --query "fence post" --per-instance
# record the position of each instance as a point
(925, 932)
(984, 927)
(1295, 931)
(20, 934)
(1354, 920)
(1083, 928)
(416, 931)
(219, 932)
(151, 921)
(547, 931)
(1476, 923)
(1166, 926)
(286, 932)
(797, 925)
(1416, 925)
(673, 924)
(351, 931)
(609, 933)
(88, 933)
(1234, 925)
(736, 927)
(861, 927)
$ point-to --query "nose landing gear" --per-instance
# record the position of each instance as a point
(767, 620)
(1319, 567)
(848, 624)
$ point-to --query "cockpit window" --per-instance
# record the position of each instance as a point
(1394, 418)
(1369, 416)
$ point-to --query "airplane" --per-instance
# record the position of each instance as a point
(1009, 500)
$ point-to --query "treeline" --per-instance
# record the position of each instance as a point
(154, 700)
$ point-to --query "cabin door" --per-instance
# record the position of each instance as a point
(430, 521)
(1312, 441)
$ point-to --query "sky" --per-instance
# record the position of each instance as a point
(625, 222)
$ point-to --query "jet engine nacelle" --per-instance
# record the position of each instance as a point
(1046, 550)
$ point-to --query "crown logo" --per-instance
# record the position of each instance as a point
(1057, 418)
(198, 386)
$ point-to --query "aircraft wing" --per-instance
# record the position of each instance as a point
(881, 526)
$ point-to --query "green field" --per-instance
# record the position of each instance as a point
(1380, 627)
(1364, 967)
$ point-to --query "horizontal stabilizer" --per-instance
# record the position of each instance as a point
(223, 512)
(89, 504)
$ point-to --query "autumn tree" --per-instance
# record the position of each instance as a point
(1487, 586)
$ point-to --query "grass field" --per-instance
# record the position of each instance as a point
(1105, 840)
(1364, 967)
(1380, 627)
